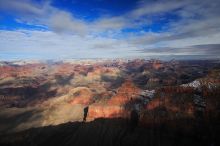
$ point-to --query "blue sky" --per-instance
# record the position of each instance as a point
(64, 29)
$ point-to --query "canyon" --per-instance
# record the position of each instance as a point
(34, 95)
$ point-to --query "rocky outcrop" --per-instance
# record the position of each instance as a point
(157, 64)
(115, 106)
(126, 92)
(81, 95)
(105, 111)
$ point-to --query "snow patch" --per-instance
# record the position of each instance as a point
(194, 84)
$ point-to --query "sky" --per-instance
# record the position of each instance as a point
(76, 29)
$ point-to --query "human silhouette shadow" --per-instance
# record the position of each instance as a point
(86, 109)
(134, 119)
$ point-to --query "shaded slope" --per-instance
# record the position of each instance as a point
(115, 132)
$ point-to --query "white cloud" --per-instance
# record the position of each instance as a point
(24, 7)
(152, 8)
(110, 23)
(64, 22)
(48, 44)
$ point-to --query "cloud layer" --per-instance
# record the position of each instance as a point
(189, 27)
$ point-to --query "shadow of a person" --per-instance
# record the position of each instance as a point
(134, 119)
(86, 109)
